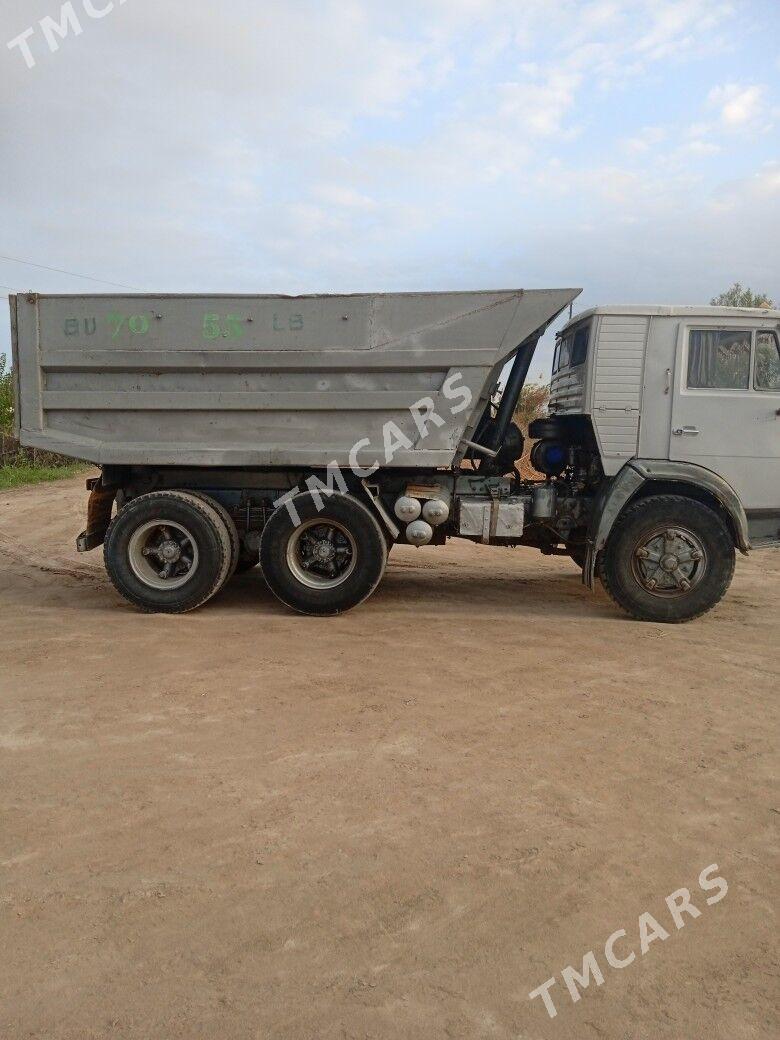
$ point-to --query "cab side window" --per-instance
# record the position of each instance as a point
(767, 374)
(579, 351)
(719, 359)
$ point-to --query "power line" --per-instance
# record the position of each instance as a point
(72, 274)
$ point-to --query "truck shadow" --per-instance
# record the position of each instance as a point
(453, 590)
(429, 590)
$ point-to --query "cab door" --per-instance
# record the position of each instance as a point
(726, 406)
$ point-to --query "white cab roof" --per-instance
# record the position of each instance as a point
(681, 312)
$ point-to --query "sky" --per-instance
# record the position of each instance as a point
(631, 147)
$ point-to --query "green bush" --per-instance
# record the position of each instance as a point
(20, 465)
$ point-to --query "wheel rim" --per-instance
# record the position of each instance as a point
(163, 554)
(670, 561)
(321, 554)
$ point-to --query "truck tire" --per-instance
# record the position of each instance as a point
(669, 558)
(230, 527)
(328, 563)
(167, 552)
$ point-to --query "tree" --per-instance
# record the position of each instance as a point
(533, 402)
(6, 398)
(740, 296)
(534, 398)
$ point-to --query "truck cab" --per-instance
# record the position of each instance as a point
(695, 385)
(681, 402)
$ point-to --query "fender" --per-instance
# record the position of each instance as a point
(615, 495)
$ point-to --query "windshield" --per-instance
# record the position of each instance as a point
(572, 348)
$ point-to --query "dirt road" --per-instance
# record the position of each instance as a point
(393, 824)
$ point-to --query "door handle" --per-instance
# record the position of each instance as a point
(690, 431)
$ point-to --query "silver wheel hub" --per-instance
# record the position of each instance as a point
(170, 551)
(163, 554)
(321, 554)
(324, 552)
(669, 561)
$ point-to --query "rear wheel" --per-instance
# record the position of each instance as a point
(669, 558)
(329, 562)
(230, 527)
(167, 552)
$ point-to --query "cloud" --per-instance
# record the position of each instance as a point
(343, 197)
(767, 180)
(740, 107)
(760, 191)
(699, 147)
(672, 28)
(649, 137)
(538, 106)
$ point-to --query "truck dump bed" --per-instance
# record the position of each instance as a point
(261, 380)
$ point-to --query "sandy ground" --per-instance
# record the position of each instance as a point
(397, 823)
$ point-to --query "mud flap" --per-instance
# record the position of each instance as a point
(609, 502)
(99, 509)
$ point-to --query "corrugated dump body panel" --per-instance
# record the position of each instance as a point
(617, 385)
(264, 380)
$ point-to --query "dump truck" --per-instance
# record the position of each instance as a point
(309, 435)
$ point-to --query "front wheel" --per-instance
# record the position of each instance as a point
(323, 561)
(669, 558)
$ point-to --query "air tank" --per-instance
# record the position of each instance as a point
(419, 533)
(436, 512)
(407, 509)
